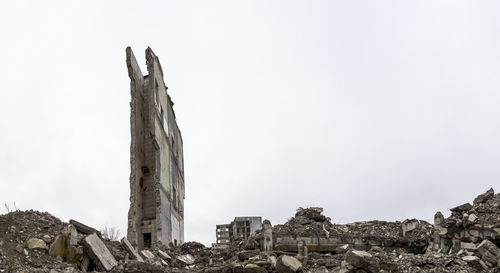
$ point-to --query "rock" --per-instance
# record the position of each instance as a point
(484, 197)
(253, 268)
(147, 254)
(131, 250)
(288, 264)
(361, 259)
(187, 259)
(98, 252)
(462, 208)
(47, 239)
(20, 249)
(35, 243)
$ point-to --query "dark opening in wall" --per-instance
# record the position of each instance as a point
(175, 242)
(147, 239)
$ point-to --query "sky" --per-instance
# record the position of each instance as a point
(370, 109)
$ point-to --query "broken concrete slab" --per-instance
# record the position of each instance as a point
(288, 264)
(187, 259)
(470, 258)
(489, 252)
(164, 255)
(461, 208)
(147, 254)
(58, 247)
(409, 225)
(99, 253)
(131, 250)
(487, 245)
(82, 228)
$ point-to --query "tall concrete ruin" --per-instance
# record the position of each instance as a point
(156, 211)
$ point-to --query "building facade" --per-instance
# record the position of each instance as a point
(241, 227)
(157, 190)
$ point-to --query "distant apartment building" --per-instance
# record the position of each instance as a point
(241, 227)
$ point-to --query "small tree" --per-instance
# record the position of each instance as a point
(8, 208)
(110, 233)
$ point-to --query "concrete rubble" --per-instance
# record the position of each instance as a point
(97, 250)
(466, 241)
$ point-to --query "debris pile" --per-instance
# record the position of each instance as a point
(319, 234)
(471, 231)
(32, 241)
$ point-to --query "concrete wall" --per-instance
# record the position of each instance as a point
(156, 158)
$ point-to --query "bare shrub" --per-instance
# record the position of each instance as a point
(110, 233)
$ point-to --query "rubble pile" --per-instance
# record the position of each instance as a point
(320, 234)
(32, 241)
(471, 231)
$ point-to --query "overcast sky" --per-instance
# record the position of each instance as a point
(370, 109)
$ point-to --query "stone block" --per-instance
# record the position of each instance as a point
(99, 253)
(288, 264)
(409, 225)
(468, 246)
(130, 249)
(472, 218)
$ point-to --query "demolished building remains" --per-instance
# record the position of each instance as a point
(156, 211)
(31, 241)
(240, 227)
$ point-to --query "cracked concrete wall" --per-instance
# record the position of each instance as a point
(157, 195)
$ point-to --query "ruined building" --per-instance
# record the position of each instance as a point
(241, 227)
(156, 211)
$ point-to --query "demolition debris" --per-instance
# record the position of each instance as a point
(467, 241)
